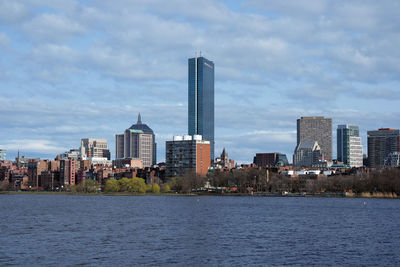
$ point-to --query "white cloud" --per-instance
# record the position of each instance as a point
(52, 27)
(4, 40)
(34, 145)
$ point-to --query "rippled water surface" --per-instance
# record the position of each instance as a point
(59, 230)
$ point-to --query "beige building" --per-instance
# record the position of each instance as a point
(94, 148)
(137, 142)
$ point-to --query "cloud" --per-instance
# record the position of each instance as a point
(4, 40)
(85, 69)
(52, 27)
(34, 145)
(12, 11)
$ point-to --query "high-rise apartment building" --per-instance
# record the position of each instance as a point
(316, 129)
(187, 154)
(94, 148)
(349, 147)
(201, 99)
(3, 154)
(137, 142)
(380, 144)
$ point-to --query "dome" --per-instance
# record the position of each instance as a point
(141, 126)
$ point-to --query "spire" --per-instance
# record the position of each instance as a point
(139, 119)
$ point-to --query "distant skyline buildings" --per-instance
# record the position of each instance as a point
(3, 154)
(349, 146)
(94, 148)
(380, 144)
(138, 141)
(201, 99)
(318, 129)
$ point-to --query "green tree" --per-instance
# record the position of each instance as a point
(125, 185)
(90, 186)
(112, 185)
(139, 185)
(149, 188)
(156, 188)
(166, 188)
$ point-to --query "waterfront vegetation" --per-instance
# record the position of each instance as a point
(258, 180)
(132, 185)
(383, 183)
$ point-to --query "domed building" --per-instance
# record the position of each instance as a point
(138, 141)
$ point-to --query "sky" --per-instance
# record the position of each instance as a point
(85, 69)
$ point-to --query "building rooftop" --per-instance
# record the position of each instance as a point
(141, 126)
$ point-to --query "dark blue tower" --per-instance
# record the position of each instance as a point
(201, 99)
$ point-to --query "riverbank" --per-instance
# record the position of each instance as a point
(256, 194)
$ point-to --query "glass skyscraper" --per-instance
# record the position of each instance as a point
(201, 99)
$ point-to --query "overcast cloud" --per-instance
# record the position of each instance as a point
(77, 69)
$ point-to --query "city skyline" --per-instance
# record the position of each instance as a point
(74, 70)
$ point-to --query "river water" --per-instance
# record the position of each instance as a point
(66, 230)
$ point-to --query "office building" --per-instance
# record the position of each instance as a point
(270, 159)
(349, 147)
(3, 154)
(137, 142)
(317, 129)
(94, 148)
(187, 154)
(380, 144)
(201, 99)
(307, 154)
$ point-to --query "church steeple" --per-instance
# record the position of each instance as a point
(139, 119)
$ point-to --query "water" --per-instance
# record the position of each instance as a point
(59, 230)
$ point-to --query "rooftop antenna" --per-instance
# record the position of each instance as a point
(200, 53)
(195, 54)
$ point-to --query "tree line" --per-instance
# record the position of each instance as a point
(262, 180)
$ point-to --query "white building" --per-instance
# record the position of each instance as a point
(94, 148)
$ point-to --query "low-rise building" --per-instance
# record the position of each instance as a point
(270, 159)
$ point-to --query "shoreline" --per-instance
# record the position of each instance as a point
(260, 194)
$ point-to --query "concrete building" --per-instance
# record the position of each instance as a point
(349, 147)
(380, 144)
(3, 154)
(137, 142)
(94, 148)
(318, 129)
(201, 99)
(187, 154)
(307, 154)
(270, 159)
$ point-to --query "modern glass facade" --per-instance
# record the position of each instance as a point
(349, 147)
(201, 99)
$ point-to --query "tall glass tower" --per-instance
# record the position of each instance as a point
(349, 147)
(201, 99)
